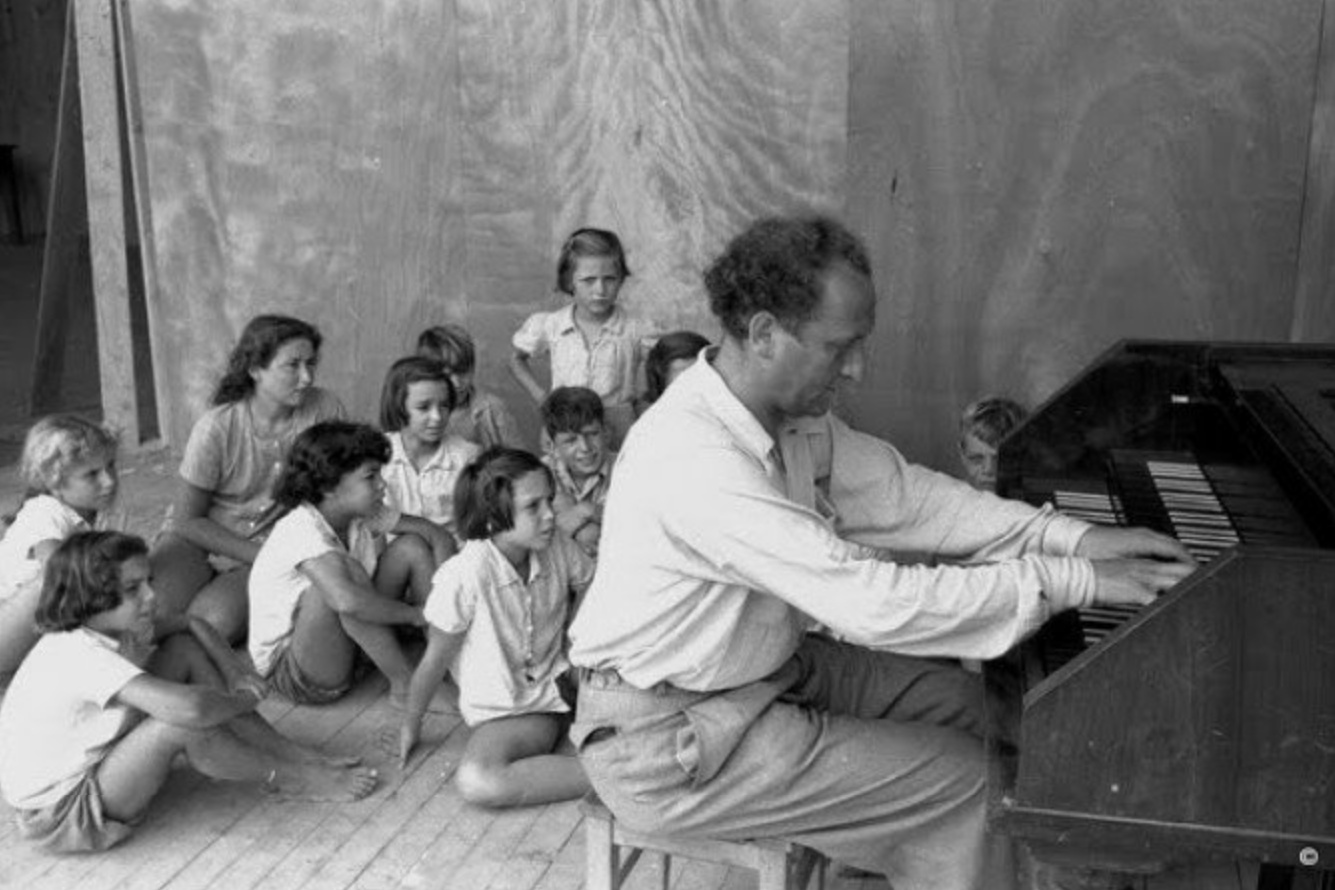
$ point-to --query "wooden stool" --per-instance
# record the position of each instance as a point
(613, 851)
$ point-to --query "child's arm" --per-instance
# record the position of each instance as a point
(572, 515)
(440, 650)
(237, 674)
(439, 537)
(180, 704)
(348, 591)
(192, 522)
(523, 374)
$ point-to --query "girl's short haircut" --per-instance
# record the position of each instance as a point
(322, 455)
(484, 495)
(402, 374)
(57, 442)
(587, 242)
(669, 348)
(83, 578)
(450, 345)
(260, 341)
(569, 409)
(991, 419)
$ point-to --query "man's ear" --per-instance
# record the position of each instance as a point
(760, 332)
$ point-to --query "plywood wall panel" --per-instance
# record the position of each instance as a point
(380, 166)
(1042, 178)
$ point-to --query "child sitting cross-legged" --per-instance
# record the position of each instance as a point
(497, 618)
(580, 460)
(99, 711)
(313, 599)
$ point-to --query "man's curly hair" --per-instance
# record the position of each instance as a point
(322, 455)
(775, 266)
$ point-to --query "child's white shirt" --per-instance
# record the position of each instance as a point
(41, 518)
(428, 492)
(513, 628)
(277, 582)
(58, 719)
(608, 365)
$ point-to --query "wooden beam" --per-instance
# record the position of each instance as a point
(1314, 294)
(98, 99)
(63, 259)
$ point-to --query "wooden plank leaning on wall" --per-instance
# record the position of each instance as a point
(92, 134)
(1314, 302)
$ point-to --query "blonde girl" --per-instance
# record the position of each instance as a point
(69, 468)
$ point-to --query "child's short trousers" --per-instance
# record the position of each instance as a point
(75, 823)
(289, 681)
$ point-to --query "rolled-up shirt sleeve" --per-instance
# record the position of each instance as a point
(882, 500)
(737, 525)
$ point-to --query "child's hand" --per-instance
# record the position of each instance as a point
(587, 538)
(252, 684)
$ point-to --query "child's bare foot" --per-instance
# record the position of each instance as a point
(317, 781)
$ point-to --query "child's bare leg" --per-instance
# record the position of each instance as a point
(320, 643)
(18, 628)
(180, 658)
(136, 768)
(385, 651)
(405, 569)
(508, 762)
(180, 570)
(224, 604)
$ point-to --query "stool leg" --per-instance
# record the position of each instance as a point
(667, 871)
(774, 872)
(601, 867)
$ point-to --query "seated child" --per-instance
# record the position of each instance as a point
(983, 425)
(593, 342)
(424, 462)
(97, 714)
(224, 503)
(497, 618)
(580, 461)
(479, 416)
(69, 468)
(672, 354)
(313, 601)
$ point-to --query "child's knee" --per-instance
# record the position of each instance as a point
(484, 785)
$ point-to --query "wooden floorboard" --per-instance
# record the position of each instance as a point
(413, 833)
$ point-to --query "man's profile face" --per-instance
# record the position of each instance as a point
(827, 349)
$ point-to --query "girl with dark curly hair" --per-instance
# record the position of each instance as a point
(314, 601)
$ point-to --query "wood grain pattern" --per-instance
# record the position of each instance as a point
(1040, 179)
(378, 167)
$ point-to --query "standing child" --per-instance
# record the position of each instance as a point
(480, 416)
(313, 601)
(983, 424)
(580, 461)
(593, 342)
(497, 618)
(69, 467)
(97, 714)
(224, 506)
(425, 460)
